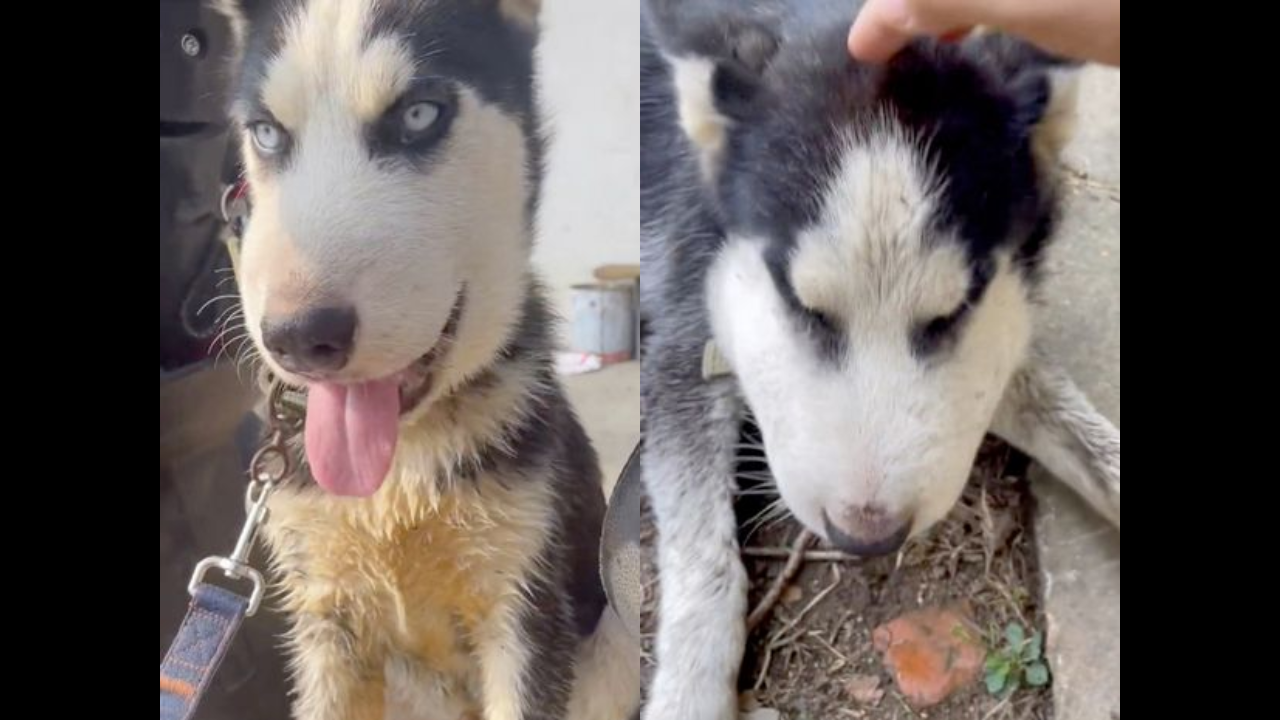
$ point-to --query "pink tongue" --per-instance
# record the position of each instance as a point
(351, 434)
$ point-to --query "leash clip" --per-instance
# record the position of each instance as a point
(271, 465)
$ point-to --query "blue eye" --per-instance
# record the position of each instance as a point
(419, 117)
(268, 137)
(415, 123)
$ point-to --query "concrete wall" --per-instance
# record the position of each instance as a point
(590, 72)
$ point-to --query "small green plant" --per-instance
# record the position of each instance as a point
(1017, 661)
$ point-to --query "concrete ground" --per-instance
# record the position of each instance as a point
(1079, 552)
(608, 403)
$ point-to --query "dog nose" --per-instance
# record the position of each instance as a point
(867, 531)
(315, 340)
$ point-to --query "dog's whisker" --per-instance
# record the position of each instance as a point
(246, 353)
(234, 309)
(222, 352)
(756, 492)
(227, 328)
(763, 515)
(233, 321)
(222, 337)
(236, 346)
(250, 367)
(221, 346)
(216, 298)
(766, 518)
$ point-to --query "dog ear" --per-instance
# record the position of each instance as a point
(236, 14)
(738, 85)
(524, 12)
(715, 92)
(1047, 108)
(1044, 88)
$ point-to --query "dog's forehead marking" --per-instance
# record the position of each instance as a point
(327, 58)
(875, 241)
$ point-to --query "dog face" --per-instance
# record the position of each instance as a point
(391, 154)
(873, 296)
(389, 162)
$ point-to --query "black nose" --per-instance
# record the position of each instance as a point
(315, 340)
(867, 532)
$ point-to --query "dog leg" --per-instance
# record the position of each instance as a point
(417, 693)
(688, 474)
(332, 680)
(607, 681)
(527, 653)
(1045, 415)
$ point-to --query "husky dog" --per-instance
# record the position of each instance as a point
(443, 563)
(862, 246)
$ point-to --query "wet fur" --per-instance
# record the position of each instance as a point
(467, 587)
(777, 176)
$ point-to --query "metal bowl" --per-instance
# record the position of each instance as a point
(620, 552)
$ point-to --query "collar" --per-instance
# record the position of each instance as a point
(714, 363)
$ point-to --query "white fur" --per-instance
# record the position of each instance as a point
(1045, 415)
(398, 243)
(607, 680)
(414, 694)
(504, 654)
(884, 429)
(335, 226)
(704, 592)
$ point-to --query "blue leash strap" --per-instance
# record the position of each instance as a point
(211, 622)
(215, 614)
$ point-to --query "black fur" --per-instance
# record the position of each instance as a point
(973, 125)
(470, 43)
(454, 41)
(793, 97)
(388, 138)
(551, 437)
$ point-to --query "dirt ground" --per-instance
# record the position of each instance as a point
(812, 658)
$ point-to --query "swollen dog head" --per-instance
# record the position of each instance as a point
(884, 226)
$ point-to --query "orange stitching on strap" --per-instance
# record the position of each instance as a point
(177, 687)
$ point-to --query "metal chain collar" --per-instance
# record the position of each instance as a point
(273, 464)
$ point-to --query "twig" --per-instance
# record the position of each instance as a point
(809, 555)
(789, 570)
(830, 648)
(764, 668)
(778, 642)
(835, 632)
(998, 707)
(812, 604)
